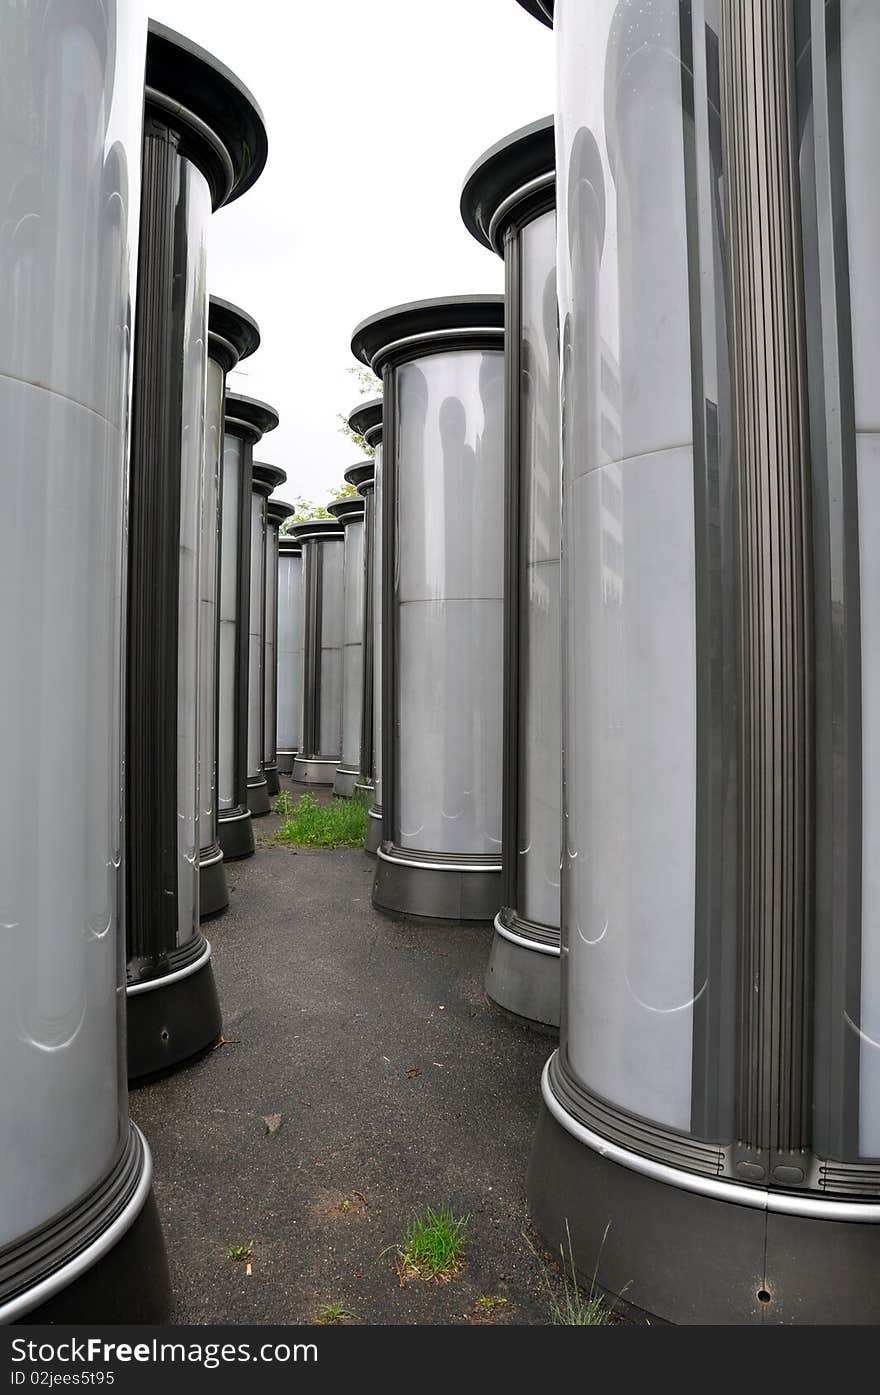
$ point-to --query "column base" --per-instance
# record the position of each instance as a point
(523, 972)
(258, 798)
(436, 886)
(311, 770)
(213, 891)
(373, 840)
(235, 833)
(365, 790)
(691, 1249)
(103, 1261)
(284, 760)
(273, 784)
(345, 781)
(174, 1016)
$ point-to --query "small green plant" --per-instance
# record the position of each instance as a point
(578, 1307)
(332, 1314)
(434, 1245)
(340, 824)
(344, 1206)
(240, 1252)
(283, 804)
(490, 1303)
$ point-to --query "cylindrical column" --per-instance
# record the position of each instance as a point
(245, 422)
(79, 1236)
(442, 364)
(350, 513)
(290, 651)
(508, 203)
(366, 421)
(323, 566)
(712, 1093)
(232, 335)
(204, 145)
(264, 478)
(276, 514)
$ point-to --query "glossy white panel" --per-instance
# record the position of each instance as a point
(448, 601)
(71, 83)
(860, 63)
(540, 704)
(869, 579)
(270, 662)
(209, 574)
(623, 262)
(233, 462)
(332, 608)
(290, 651)
(450, 492)
(630, 762)
(353, 653)
(449, 761)
(255, 638)
(192, 456)
(61, 1022)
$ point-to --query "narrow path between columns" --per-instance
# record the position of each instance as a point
(398, 1084)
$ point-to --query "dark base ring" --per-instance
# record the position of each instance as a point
(235, 834)
(172, 1022)
(686, 1257)
(412, 889)
(373, 839)
(523, 980)
(258, 798)
(213, 891)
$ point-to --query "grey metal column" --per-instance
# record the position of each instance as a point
(195, 160)
(246, 422)
(713, 1099)
(366, 421)
(232, 335)
(442, 365)
(290, 651)
(277, 513)
(323, 551)
(350, 513)
(508, 204)
(363, 477)
(264, 478)
(79, 1233)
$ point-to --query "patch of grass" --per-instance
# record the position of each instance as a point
(434, 1245)
(240, 1252)
(340, 824)
(490, 1303)
(283, 804)
(332, 1314)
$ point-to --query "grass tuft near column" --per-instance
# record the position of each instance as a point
(340, 824)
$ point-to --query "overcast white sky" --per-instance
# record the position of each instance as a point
(375, 110)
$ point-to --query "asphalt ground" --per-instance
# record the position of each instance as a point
(399, 1086)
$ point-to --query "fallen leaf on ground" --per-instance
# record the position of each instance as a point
(412, 1072)
(272, 1122)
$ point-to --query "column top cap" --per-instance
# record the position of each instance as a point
(218, 120)
(422, 327)
(513, 181)
(232, 333)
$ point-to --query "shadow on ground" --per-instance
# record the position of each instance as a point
(398, 1084)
